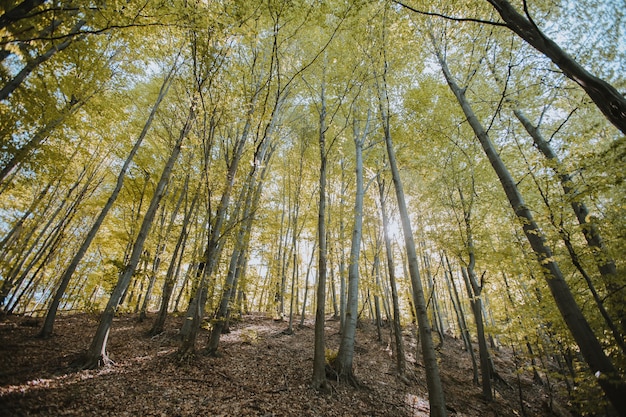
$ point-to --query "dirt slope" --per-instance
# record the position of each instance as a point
(262, 372)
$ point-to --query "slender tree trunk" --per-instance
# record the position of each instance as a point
(306, 284)
(10, 86)
(343, 362)
(97, 355)
(342, 257)
(604, 261)
(214, 245)
(473, 292)
(433, 379)
(319, 355)
(608, 376)
(168, 285)
(250, 196)
(38, 138)
(294, 243)
(160, 248)
(48, 325)
(463, 329)
(397, 328)
(19, 12)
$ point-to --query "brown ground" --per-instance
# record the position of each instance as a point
(263, 372)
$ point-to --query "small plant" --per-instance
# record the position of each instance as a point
(249, 336)
(331, 355)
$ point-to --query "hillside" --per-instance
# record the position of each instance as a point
(262, 372)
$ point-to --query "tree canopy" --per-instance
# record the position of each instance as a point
(200, 156)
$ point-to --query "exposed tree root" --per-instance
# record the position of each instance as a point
(87, 361)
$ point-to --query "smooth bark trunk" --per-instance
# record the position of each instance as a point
(48, 325)
(97, 355)
(611, 102)
(607, 375)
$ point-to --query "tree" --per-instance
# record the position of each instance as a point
(343, 361)
(397, 328)
(606, 97)
(612, 384)
(97, 355)
(433, 379)
(48, 325)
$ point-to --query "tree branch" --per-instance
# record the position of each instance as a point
(455, 19)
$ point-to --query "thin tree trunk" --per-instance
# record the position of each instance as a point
(10, 86)
(458, 308)
(48, 325)
(215, 244)
(250, 195)
(606, 97)
(343, 362)
(19, 12)
(306, 284)
(319, 355)
(342, 257)
(97, 355)
(168, 285)
(397, 328)
(473, 292)
(604, 261)
(608, 376)
(433, 379)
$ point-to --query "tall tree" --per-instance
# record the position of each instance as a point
(345, 356)
(433, 378)
(97, 355)
(48, 325)
(591, 349)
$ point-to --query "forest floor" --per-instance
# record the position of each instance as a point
(262, 371)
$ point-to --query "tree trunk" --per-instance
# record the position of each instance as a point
(306, 284)
(214, 245)
(473, 292)
(433, 379)
(97, 355)
(343, 362)
(38, 138)
(606, 97)
(250, 196)
(397, 328)
(458, 308)
(15, 82)
(591, 349)
(604, 261)
(319, 355)
(48, 325)
(168, 285)
(19, 12)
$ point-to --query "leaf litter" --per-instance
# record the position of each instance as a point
(261, 371)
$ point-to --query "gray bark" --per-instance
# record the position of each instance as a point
(433, 378)
(48, 325)
(319, 355)
(606, 97)
(343, 362)
(397, 328)
(609, 378)
(97, 355)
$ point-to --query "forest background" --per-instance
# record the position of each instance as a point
(421, 161)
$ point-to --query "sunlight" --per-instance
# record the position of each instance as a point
(418, 407)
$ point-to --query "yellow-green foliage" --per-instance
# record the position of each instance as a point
(331, 355)
(249, 336)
